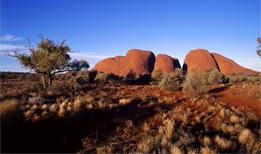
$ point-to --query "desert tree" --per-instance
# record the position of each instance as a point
(78, 65)
(258, 51)
(47, 59)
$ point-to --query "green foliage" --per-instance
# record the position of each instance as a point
(237, 78)
(215, 77)
(101, 78)
(79, 65)
(82, 78)
(195, 84)
(156, 75)
(48, 59)
(172, 81)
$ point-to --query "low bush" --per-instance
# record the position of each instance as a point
(172, 81)
(101, 78)
(237, 78)
(195, 84)
(113, 79)
(143, 79)
(92, 74)
(156, 76)
(82, 77)
(215, 77)
(129, 78)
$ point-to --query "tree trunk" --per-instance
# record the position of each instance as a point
(50, 79)
(44, 81)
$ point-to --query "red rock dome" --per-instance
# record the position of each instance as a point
(228, 66)
(200, 60)
(166, 63)
(137, 61)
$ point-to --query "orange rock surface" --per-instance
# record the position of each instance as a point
(200, 60)
(166, 63)
(228, 66)
(137, 61)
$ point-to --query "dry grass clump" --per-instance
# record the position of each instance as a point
(145, 145)
(174, 149)
(8, 107)
(247, 138)
(207, 150)
(224, 144)
(104, 150)
(195, 84)
(206, 141)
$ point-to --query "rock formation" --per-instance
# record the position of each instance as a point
(136, 61)
(228, 66)
(166, 63)
(200, 60)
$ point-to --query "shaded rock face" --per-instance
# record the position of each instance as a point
(136, 61)
(200, 60)
(166, 64)
(228, 66)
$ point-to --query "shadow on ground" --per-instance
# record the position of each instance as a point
(65, 135)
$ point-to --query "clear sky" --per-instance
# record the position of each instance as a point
(96, 29)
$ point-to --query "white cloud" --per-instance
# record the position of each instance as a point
(9, 37)
(78, 55)
(7, 48)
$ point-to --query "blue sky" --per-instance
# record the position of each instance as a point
(96, 29)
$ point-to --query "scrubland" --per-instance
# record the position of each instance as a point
(94, 112)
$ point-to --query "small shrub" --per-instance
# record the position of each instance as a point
(215, 77)
(101, 78)
(60, 88)
(156, 75)
(92, 74)
(8, 107)
(195, 84)
(237, 78)
(113, 79)
(130, 78)
(82, 78)
(172, 81)
(143, 79)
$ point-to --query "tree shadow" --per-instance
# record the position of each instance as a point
(65, 135)
(219, 89)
